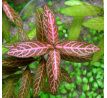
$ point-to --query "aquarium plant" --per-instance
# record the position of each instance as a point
(46, 49)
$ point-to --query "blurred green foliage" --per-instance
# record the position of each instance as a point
(87, 78)
(79, 10)
(5, 28)
(82, 10)
(95, 23)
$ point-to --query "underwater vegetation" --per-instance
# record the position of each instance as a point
(54, 60)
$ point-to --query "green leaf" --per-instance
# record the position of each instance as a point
(94, 95)
(81, 10)
(100, 83)
(85, 80)
(33, 65)
(5, 28)
(73, 2)
(91, 79)
(63, 91)
(94, 70)
(32, 33)
(73, 85)
(95, 23)
(68, 86)
(84, 72)
(90, 94)
(52, 96)
(4, 50)
(69, 96)
(43, 95)
(89, 74)
(99, 75)
(50, 3)
(99, 96)
(97, 64)
(58, 96)
(83, 95)
(78, 80)
(95, 85)
(74, 94)
(75, 29)
(85, 87)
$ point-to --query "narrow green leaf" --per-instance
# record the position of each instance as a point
(75, 29)
(95, 23)
(5, 28)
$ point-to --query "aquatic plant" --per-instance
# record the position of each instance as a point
(47, 42)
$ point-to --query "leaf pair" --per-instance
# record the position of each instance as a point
(40, 81)
(36, 48)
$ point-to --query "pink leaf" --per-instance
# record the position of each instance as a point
(28, 49)
(40, 34)
(53, 70)
(25, 84)
(8, 10)
(50, 25)
(75, 58)
(75, 48)
(39, 77)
